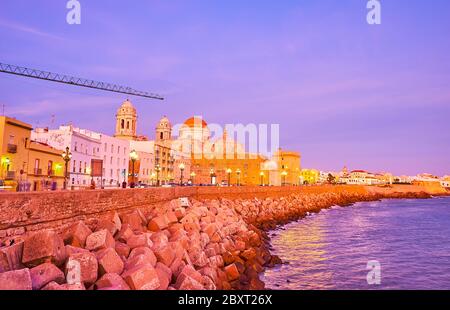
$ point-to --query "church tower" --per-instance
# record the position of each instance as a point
(164, 130)
(126, 121)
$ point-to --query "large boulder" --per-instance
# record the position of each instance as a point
(76, 234)
(109, 261)
(11, 257)
(99, 240)
(82, 268)
(43, 246)
(15, 280)
(43, 274)
(143, 277)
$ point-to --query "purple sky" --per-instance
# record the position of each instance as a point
(343, 92)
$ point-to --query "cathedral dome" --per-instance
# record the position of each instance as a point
(195, 122)
(126, 106)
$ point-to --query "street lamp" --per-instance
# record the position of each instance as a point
(193, 177)
(211, 174)
(181, 166)
(238, 172)
(229, 171)
(261, 174)
(133, 157)
(157, 169)
(67, 155)
(283, 181)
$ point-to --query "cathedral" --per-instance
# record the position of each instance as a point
(195, 157)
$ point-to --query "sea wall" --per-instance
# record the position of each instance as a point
(152, 239)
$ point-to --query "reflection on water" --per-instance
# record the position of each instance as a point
(330, 250)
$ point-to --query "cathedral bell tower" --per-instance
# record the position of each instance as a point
(126, 121)
(164, 130)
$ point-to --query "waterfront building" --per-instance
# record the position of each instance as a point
(26, 164)
(309, 176)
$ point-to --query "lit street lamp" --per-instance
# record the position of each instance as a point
(283, 180)
(181, 166)
(67, 155)
(261, 174)
(211, 174)
(193, 177)
(229, 171)
(238, 172)
(133, 156)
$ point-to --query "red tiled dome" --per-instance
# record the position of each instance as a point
(195, 121)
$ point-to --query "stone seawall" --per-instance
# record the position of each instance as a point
(151, 239)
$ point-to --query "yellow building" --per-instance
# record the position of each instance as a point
(310, 176)
(26, 162)
(14, 137)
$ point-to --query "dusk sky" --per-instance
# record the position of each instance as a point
(344, 92)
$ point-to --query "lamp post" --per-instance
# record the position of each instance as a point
(181, 166)
(229, 171)
(67, 155)
(283, 179)
(193, 177)
(211, 174)
(261, 174)
(157, 169)
(133, 157)
(238, 172)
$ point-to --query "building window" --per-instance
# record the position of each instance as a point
(36, 164)
(161, 135)
(111, 161)
(112, 148)
(128, 125)
(122, 124)
(74, 166)
(81, 164)
(76, 147)
(85, 167)
(106, 147)
(118, 149)
(11, 139)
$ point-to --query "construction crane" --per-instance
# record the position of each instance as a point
(66, 79)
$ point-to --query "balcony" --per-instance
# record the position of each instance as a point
(51, 173)
(12, 148)
(37, 171)
(10, 175)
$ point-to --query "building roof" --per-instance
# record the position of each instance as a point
(195, 121)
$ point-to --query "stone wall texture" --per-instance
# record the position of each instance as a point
(24, 212)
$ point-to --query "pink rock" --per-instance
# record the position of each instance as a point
(100, 240)
(76, 234)
(216, 261)
(208, 284)
(109, 261)
(189, 284)
(122, 249)
(111, 222)
(165, 255)
(82, 267)
(52, 286)
(140, 256)
(171, 218)
(188, 272)
(43, 246)
(199, 258)
(134, 220)
(15, 280)
(177, 266)
(74, 250)
(44, 274)
(125, 233)
(73, 287)
(160, 240)
(163, 276)
(180, 212)
(232, 272)
(142, 277)
(158, 223)
(240, 245)
(112, 280)
(11, 257)
(140, 240)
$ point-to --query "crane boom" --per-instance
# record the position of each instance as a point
(66, 79)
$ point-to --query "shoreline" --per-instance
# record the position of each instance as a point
(212, 239)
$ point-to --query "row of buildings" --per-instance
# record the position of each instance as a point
(363, 177)
(31, 159)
